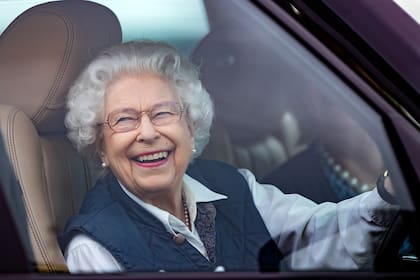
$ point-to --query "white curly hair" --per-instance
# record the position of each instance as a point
(85, 100)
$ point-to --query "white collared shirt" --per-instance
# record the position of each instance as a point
(195, 192)
(335, 235)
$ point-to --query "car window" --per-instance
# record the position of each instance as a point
(276, 100)
(285, 116)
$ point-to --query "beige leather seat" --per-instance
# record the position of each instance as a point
(41, 53)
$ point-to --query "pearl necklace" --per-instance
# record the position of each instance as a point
(186, 212)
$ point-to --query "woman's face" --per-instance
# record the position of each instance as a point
(151, 159)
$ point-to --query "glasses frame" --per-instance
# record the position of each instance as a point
(147, 112)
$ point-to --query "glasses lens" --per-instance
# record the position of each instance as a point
(124, 120)
(165, 113)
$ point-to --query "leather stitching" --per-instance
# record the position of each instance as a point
(31, 216)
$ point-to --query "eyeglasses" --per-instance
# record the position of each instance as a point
(160, 114)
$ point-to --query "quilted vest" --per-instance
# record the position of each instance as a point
(139, 242)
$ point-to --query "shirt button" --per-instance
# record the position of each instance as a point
(179, 238)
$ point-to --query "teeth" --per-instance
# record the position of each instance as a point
(160, 155)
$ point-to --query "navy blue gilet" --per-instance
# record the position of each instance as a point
(139, 242)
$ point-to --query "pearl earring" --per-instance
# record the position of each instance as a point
(193, 146)
(103, 164)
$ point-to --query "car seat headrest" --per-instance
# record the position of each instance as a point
(247, 81)
(43, 50)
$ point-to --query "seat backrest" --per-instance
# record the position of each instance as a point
(41, 53)
(255, 127)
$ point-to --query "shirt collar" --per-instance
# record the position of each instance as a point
(200, 192)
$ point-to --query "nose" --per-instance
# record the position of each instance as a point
(147, 131)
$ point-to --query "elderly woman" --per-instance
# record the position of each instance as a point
(142, 109)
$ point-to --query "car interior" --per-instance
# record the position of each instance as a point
(43, 50)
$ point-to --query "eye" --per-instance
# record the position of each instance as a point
(161, 114)
(123, 118)
(164, 113)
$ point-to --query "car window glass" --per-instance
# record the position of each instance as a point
(284, 115)
(275, 100)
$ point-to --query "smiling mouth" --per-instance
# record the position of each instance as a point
(151, 158)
